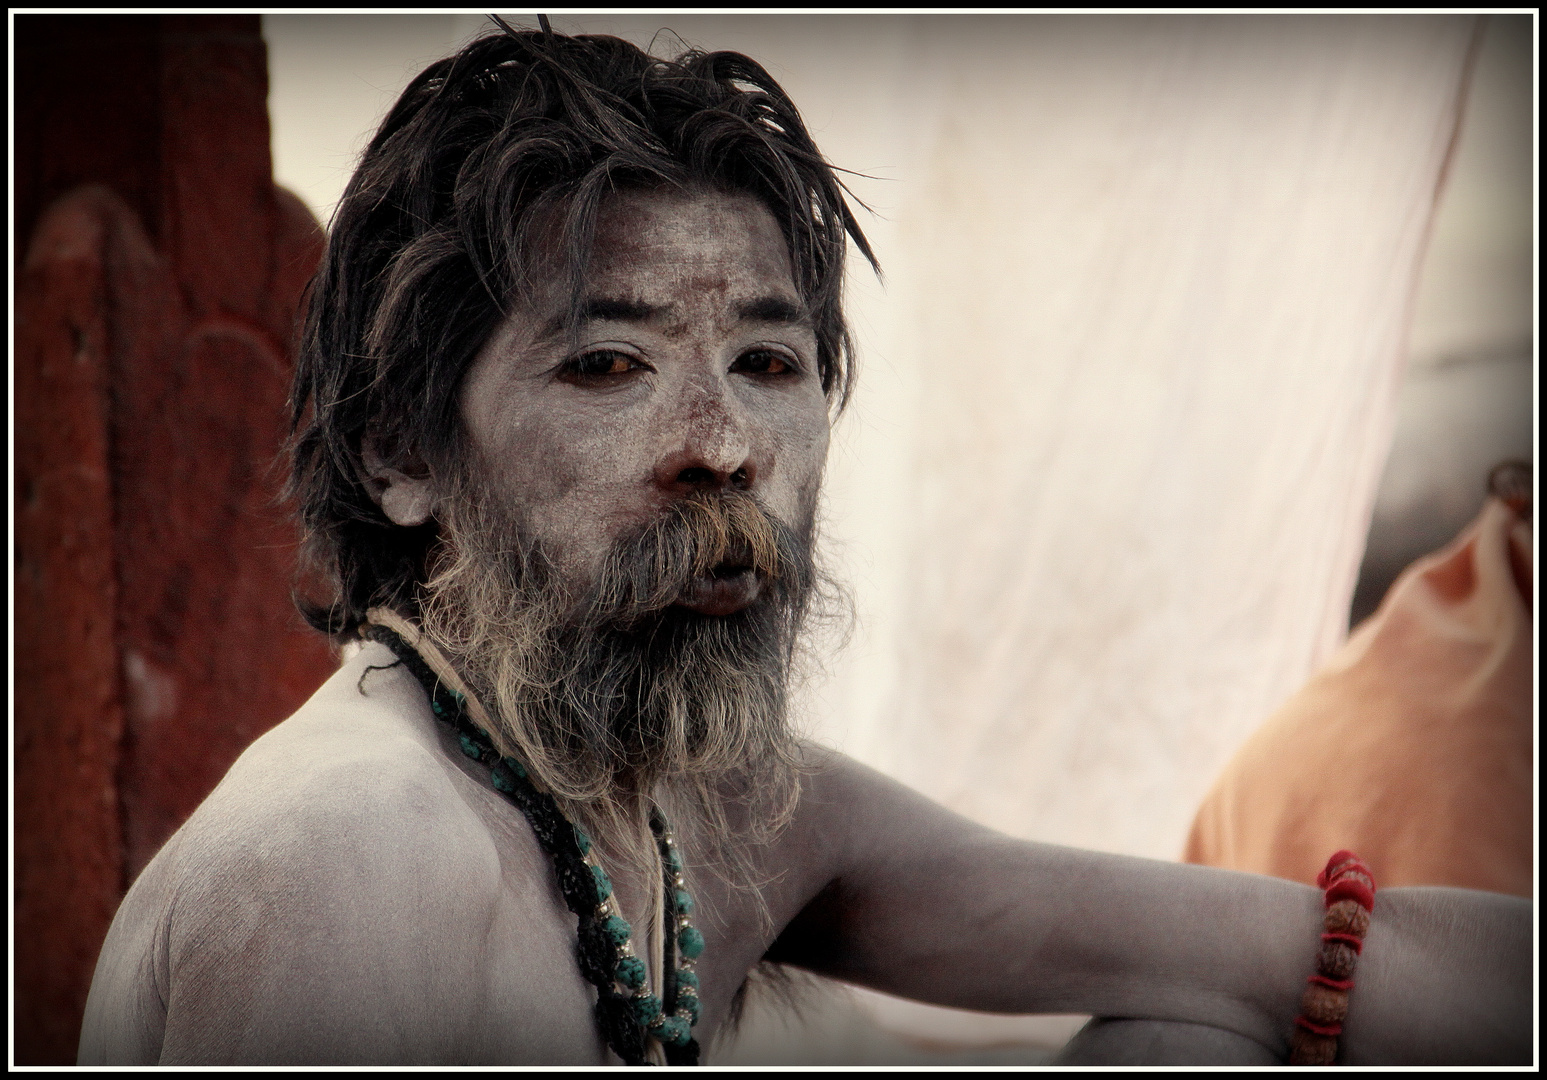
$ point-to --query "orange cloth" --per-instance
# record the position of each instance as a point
(1413, 747)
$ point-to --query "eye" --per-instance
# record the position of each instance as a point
(599, 365)
(766, 362)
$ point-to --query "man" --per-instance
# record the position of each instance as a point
(563, 408)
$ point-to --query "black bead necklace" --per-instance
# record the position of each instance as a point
(605, 948)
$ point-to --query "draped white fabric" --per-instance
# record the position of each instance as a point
(1125, 395)
(1150, 296)
(1152, 287)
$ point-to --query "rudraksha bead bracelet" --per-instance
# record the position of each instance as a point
(1349, 898)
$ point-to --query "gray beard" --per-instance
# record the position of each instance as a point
(610, 696)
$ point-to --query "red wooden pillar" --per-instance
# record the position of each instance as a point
(158, 280)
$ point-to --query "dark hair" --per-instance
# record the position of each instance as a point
(436, 235)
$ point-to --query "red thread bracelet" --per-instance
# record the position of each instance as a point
(1355, 943)
(1329, 1030)
(1324, 1003)
(1334, 984)
(1349, 889)
(1340, 861)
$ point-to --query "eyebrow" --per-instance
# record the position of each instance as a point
(775, 309)
(605, 308)
(619, 309)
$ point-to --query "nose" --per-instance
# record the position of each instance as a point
(712, 450)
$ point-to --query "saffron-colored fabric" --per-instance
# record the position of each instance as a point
(1413, 746)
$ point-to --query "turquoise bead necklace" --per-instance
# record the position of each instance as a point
(606, 952)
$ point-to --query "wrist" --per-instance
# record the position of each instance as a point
(1349, 901)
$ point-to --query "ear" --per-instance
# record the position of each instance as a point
(405, 499)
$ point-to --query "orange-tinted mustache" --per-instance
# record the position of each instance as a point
(697, 536)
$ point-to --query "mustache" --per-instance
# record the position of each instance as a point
(704, 533)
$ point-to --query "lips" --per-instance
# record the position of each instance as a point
(725, 590)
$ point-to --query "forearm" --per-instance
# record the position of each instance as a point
(1161, 1042)
(928, 906)
(1445, 978)
(1037, 928)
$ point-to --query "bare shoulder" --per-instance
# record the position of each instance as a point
(342, 896)
(349, 794)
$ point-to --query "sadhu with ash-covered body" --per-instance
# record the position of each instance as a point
(562, 412)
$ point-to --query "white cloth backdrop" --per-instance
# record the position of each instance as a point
(1125, 395)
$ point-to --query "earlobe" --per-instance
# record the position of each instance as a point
(406, 500)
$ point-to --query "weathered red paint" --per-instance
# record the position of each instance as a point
(155, 314)
(68, 703)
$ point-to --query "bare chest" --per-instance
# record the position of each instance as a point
(537, 1004)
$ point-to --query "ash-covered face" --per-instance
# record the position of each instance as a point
(627, 555)
(694, 370)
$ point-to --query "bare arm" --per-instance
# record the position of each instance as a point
(1445, 978)
(1426, 936)
(924, 904)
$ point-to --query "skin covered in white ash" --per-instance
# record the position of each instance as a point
(356, 892)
